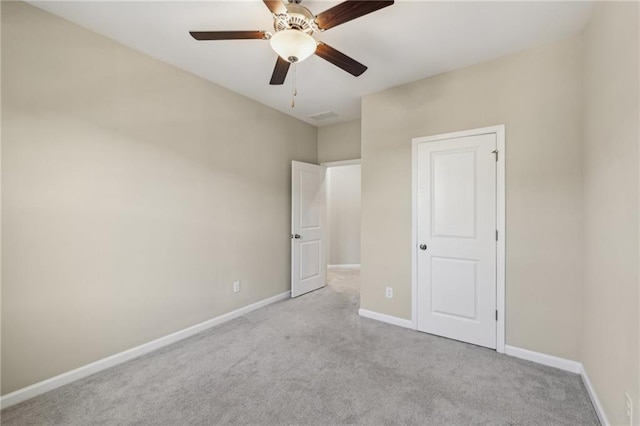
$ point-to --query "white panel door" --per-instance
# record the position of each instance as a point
(456, 220)
(308, 227)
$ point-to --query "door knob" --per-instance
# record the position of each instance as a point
(423, 246)
(296, 236)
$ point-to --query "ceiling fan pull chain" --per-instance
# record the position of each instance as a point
(294, 90)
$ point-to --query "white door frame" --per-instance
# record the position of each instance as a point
(342, 163)
(499, 131)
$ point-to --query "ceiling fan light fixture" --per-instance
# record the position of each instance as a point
(293, 45)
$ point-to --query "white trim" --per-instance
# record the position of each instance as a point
(501, 253)
(544, 359)
(342, 163)
(414, 234)
(327, 215)
(119, 358)
(499, 131)
(602, 416)
(566, 365)
(537, 357)
(401, 322)
(345, 266)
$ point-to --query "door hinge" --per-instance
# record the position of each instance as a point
(496, 315)
(496, 152)
(496, 235)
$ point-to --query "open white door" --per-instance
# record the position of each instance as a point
(308, 226)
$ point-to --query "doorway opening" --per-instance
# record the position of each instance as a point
(343, 218)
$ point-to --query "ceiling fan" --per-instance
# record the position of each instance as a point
(294, 26)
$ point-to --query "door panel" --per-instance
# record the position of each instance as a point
(453, 203)
(309, 259)
(308, 239)
(309, 208)
(456, 219)
(454, 287)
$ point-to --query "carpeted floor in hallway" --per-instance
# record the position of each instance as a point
(313, 360)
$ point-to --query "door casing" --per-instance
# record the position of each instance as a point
(499, 131)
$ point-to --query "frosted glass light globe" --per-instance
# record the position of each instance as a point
(293, 45)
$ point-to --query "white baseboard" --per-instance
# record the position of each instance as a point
(562, 364)
(544, 359)
(119, 358)
(604, 421)
(401, 322)
(345, 266)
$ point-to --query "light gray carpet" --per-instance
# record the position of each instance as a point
(312, 360)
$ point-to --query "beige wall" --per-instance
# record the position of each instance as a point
(344, 215)
(133, 195)
(339, 142)
(611, 135)
(537, 95)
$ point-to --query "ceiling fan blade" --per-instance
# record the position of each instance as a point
(280, 71)
(347, 11)
(275, 6)
(227, 35)
(340, 60)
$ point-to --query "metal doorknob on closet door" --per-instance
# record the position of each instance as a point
(423, 246)
(297, 236)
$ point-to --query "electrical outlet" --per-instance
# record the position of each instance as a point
(628, 408)
(236, 286)
(388, 292)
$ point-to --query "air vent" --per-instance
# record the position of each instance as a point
(323, 115)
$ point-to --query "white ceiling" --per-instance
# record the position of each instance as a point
(405, 42)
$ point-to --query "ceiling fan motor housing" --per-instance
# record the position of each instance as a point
(297, 18)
